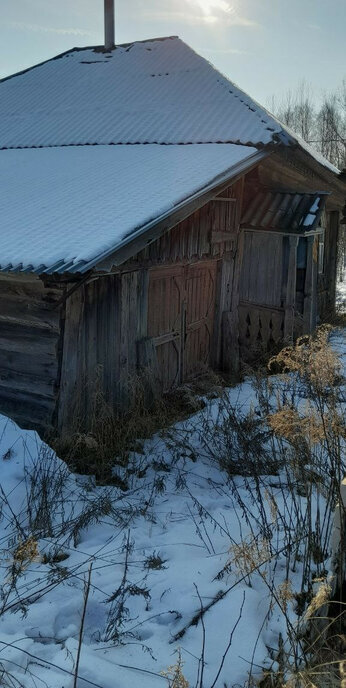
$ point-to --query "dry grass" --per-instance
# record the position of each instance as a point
(175, 674)
(25, 553)
(248, 555)
(113, 435)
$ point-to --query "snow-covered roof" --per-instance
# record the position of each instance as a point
(62, 209)
(65, 201)
(156, 91)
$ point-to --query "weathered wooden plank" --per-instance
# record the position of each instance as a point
(30, 286)
(148, 367)
(33, 309)
(261, 272)
(28, 411)
(230, 347)
(72, 384)
(290, 298)
(38, 326)
(27, 362)
(15, 380)
(219, 237)
(142, 296)
(310, 286)
(34, 345)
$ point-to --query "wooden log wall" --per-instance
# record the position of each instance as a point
(29, 349)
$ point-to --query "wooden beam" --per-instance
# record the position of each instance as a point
(224, 199)
(221, 236)
(291, 288)
(309, 313)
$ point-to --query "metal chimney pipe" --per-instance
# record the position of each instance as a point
(109, 24)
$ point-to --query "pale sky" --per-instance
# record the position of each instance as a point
(265, 46)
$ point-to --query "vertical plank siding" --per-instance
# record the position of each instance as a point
(200, 294)
(209, 232)
(262, 292)
(112, 321)
(95, 351)
(326, 284)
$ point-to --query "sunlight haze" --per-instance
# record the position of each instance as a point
(266, 47)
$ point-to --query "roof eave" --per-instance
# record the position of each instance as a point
(151, 231)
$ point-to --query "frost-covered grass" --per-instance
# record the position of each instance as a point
(210, 555)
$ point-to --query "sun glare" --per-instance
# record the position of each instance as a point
(213, 10)
(209, 7)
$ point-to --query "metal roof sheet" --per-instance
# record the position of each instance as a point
(284, 211)
(157, 91)
(64, 209)
(153, 91)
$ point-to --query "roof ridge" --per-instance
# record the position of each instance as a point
(96, 48)
(133, 143)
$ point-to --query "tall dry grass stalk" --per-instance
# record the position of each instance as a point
(102, 435)
(174, 673)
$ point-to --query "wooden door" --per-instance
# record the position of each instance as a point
(181, 303)
(165, 299)
(198, 317)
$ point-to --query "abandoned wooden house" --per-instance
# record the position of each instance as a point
(153, 218)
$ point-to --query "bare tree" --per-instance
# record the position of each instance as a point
(324, 127)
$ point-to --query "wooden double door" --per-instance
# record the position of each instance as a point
(181, 307)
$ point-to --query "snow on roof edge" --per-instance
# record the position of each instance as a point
(70, 262)
(237, 169)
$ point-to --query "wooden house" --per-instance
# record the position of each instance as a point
(155, 220)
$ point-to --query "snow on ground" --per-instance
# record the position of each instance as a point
(154, 554)
(341, 295)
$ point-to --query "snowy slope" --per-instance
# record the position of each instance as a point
(157, 552)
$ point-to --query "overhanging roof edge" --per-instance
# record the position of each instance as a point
(228, 175)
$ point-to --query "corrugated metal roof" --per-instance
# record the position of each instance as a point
(64, 209)
(156, 91)
(284, 211)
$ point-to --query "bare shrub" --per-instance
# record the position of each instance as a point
(289, 446)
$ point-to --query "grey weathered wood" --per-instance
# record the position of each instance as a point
(310, 286)
(290, 297)
(220, 237)
(233, 319)
(222, 303)
(148, 367)
(72, 382)
(230, 345)
(137, 244)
